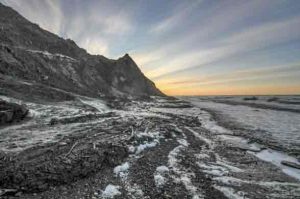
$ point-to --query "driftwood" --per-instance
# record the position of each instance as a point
(8, 192)
(70, 151)
(291, 164)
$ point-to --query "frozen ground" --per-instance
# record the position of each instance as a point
(288, 103)
(280, 128)
(159, 148)
(38, 129)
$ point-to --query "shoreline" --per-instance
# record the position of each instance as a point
(199, 158)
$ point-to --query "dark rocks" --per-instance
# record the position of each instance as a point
(176, 106)
(250, 98)
(11, 112)
(8, 192)
(291, 164)
(51, 167)
(81, 118)
(272, 99)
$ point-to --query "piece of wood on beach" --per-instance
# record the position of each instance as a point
(291, 164)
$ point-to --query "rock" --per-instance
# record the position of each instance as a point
(76, 70)
(8, 192)
(291, 164)
(81, 118)
(11, 112)
(272, 99)
(39, 171)
(250, 98)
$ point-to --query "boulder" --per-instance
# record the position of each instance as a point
(11, 112)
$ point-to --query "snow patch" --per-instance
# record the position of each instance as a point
(280, 189)
(212, 169)
(147, 136)
(162, 169)
(50, 55)
(122, 170)
(196, 134)
(134, 191)
(183, 176)
(111, 191)
(160, 176)
(159, 180)
(97, 104)
(202, 156)
(140, 148)
(231, 193)
(183, 142)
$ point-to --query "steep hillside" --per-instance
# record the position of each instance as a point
(31, 56)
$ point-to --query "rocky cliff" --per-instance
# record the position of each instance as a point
(35, 62)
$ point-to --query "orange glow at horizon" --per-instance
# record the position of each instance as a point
(230, 90)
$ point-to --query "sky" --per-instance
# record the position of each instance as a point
(193, 47)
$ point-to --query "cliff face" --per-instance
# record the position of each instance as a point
(31, 56)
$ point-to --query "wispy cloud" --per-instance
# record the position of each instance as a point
(47, 14)
(95, 29)
(248, 40)
(211, 24)
(177, 43)
(179, 15)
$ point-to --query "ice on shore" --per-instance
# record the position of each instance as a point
(276, 157)
(162, 169)
(140, 148)
(182, 175)
(121, 170)
(282, 126)
(111, 191)
(231, 193)
(159, 180)
(160, 176)
(96, 103)
(146, 135)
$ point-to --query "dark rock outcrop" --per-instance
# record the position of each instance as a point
(11, 112)
(40, 168)
(29, 53)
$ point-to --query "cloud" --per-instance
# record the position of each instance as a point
(179, 14)
(95, 47)
(95, 25)
(47, 14)
(206, 27)
(189, 45)
(254, 38)
(117, 24)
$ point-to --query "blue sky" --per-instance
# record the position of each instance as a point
(200, 47)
